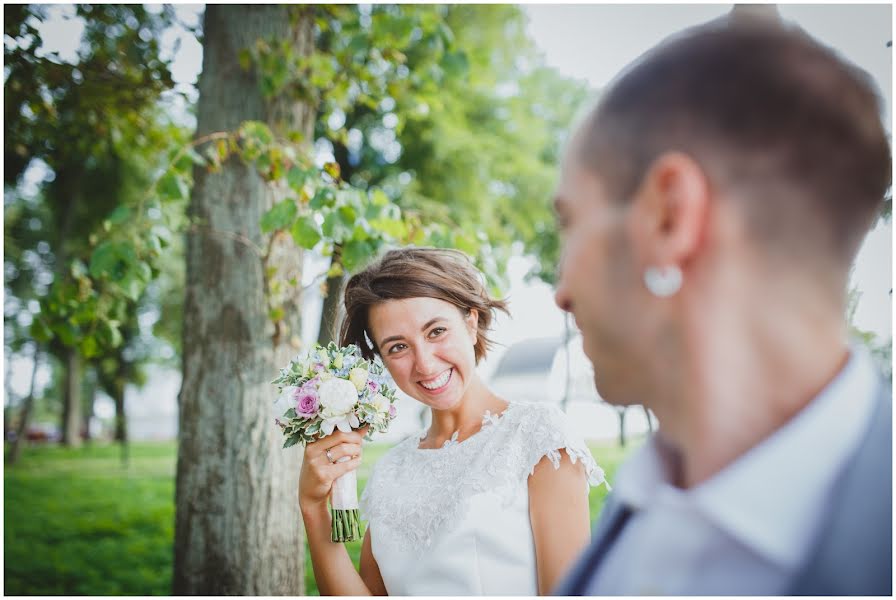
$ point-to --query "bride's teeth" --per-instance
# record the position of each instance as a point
(437, 383)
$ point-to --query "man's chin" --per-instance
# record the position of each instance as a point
(611, 396)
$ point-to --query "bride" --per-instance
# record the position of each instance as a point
(493, 498)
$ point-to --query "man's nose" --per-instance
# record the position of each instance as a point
(561, 294)
(561, 297)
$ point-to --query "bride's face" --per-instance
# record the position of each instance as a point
(427, 345)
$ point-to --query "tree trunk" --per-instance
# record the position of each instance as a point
(620, 410)
(71, 413)
(88, 392)
(25, 416)
(649, 419)
(329, 315)
(121, 420)
(237, 525)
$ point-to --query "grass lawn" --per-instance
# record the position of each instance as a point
(78, 523)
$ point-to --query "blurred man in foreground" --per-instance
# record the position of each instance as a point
(711, 206)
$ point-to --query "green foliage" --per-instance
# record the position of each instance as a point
(97, 127)
(76, 522)
(461, 127)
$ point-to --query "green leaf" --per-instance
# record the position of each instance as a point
(455, 64)
(379, 198)
(296, 178)
(40, 331)
(355, 253)
(173, 187)
(89, 347)
(112, 259)
(257, 132)
(305, 233)
(67, 334)
(280, 216)
(292, 440)
(322, 197)
(348, 215)
(197, 158)
(120, 215)
(394, 228)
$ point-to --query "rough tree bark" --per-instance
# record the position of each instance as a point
(237, 525)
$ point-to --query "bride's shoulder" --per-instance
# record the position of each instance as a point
(529, 417)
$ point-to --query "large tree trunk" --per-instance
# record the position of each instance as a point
(237, 526)
(71, 393)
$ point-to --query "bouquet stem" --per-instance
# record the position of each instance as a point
(346, 525)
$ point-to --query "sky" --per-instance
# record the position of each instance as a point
(593, 43)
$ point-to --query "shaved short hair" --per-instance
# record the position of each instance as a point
(772, 116)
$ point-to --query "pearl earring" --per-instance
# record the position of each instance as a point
(663, 282)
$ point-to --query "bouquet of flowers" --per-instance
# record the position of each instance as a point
(334, 388)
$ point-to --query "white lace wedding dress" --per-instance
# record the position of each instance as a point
(455, 520)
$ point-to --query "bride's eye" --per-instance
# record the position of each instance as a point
(396, 348)
(437, 332)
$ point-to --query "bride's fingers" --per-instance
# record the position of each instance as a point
(340, 469)
(338, 437)
(340, 452)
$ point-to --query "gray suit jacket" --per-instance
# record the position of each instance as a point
(853, 553)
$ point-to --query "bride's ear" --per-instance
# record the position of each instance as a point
(472, 321)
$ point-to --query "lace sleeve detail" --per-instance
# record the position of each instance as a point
(546, 431)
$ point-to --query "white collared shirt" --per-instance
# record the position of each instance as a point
(748, 529)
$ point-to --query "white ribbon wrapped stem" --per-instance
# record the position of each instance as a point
(345, 490)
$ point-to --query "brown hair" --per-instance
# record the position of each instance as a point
(443, 274)
(770, 113)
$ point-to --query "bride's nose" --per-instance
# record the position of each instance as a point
(424, 361)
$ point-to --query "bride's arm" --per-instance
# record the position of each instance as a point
(333, 569)
(558, 511)
(370, 571)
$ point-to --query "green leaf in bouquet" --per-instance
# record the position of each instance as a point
(313, 428)
(292, 440)
(290, 414)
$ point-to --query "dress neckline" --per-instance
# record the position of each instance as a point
(489, 422)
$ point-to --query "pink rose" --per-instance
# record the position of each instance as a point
(307, 403)
(392, 411)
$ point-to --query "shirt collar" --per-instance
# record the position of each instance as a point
(796, 467)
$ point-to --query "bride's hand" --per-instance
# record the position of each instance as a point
(319, 470)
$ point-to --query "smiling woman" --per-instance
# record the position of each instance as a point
(489, 499)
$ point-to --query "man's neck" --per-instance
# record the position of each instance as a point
(747, 377)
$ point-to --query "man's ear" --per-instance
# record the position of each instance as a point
(670, 211)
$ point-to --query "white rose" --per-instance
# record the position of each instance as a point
(337, 397)
(358, 376)
(381, 404)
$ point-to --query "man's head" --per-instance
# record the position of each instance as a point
(733, 133)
